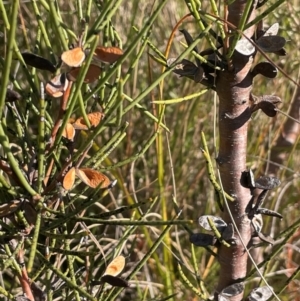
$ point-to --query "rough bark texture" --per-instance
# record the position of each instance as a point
(233, 88)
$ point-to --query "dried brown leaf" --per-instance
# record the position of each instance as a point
(57, 85)
(73, 57)
(116, 266)
(94, 119)
(93, 178)
(108, 54)
(69, 132)
(91, 76)
(69, 179)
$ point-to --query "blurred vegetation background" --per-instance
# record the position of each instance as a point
(150, 163)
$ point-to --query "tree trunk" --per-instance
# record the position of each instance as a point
(233, 88)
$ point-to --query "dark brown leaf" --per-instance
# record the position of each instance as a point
(188, 69)
(12, 95)
(183, 68)
(37, 61)
(266, 182)
(114, 281)
(266, 69)
(281, 52)
(269, 212)
(199, 75)
(202, 239)
(268, 108)
(228, 233)
(271, 43)
(189, 41)
(29, 212)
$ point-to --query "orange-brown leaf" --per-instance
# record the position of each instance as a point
(93, 178)
(108, 54)
(91, 76)
(73, 57)
(69, 179)
(69, 132)
(116, 266)
(94, 119)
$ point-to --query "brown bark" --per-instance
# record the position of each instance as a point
(233, 88)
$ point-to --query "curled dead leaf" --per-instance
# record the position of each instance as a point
(69, 132)
(108, 55)
(91, 76)
(94, 119)
(73, 57)
(116, 266)
(69, 179)
(93, 178)
(57, 85)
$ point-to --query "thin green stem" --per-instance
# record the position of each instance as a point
(147, 255)
(13, 163)
(69, 283)
(10, 50)
(34, 243)
(41, 142)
